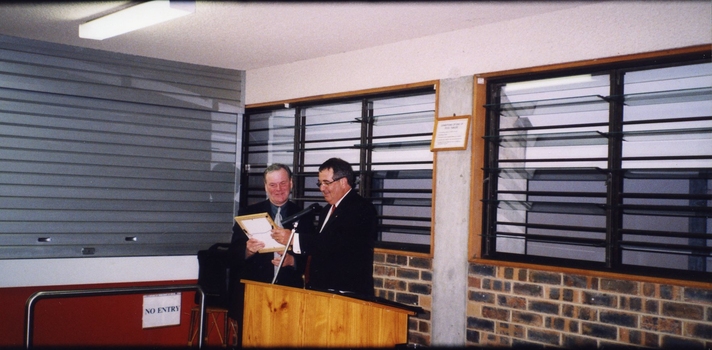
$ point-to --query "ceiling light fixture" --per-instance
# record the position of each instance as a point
(135, 17)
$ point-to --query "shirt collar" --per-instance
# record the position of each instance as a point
(342, 198)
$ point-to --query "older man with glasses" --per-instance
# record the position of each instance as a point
(340, 254)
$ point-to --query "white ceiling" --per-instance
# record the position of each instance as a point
(250, 35)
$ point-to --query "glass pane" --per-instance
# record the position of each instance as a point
(667, 137)
(548, 125)
(688, 147)
(402, 131)
(332, 131)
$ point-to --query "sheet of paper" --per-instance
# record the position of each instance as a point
(259, 227)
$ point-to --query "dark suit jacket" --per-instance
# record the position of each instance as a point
(259, 267)
(342, 253)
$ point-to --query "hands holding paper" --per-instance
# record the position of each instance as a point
(253, 245)
(281, 235)
(278, 234)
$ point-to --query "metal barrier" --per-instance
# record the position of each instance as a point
(30, 305)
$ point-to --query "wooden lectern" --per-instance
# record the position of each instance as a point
(279, 316)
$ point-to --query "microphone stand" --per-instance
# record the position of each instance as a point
(284, 253)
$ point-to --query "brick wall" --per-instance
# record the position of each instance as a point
(407, 280)
(510, 306)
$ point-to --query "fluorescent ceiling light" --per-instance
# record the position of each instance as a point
(533, 84)
(135, 17)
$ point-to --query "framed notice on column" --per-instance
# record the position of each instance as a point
(450, 133)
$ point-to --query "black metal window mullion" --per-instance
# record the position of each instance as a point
(614, 216)
(366, 148)
(698, 225)
(491, 162)
(298, 168)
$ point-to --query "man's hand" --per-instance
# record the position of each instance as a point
(281, 235)
(253, 246)
(288, 260)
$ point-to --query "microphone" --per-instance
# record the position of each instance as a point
(298, 215)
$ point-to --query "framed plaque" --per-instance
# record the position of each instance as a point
(259, 226)
(451, 133)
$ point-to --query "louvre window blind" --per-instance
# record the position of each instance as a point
(103, 154)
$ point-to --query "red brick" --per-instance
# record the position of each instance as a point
(660, 324)
(397, 259)
(422, 263)
(407, 273)
(598, 330)
(527, 318)
(545, 277)
(699, 330)
(599, 299)
(681, 310)
(651, 340)
(586, 313)
(424, 327)
(474, 282)
(575, 281)
(631, 336)
(570, 341)
(528, 289)
(544, 307)
(510, 329)
(419, 288)
(426, 275)
(697, 295)
(619, 286)
(494, 313)
(512, 301)
(395, 285)
(481, 297)
(380, 270)
(541, 336)
(508, 273)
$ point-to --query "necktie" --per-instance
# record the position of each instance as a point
(278, 222)
(278, 217)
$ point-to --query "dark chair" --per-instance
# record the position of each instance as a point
(214, 273)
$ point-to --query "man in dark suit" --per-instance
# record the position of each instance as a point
(261, 266)
(341, 253)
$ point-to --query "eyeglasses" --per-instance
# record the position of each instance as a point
(327, 183)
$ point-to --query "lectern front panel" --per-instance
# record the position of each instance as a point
(278, 316)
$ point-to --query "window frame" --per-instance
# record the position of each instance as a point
(478, 220)
(249, 195)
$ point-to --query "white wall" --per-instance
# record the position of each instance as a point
(55, 272)
(591, 31)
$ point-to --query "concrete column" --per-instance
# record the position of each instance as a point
(451, 223)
